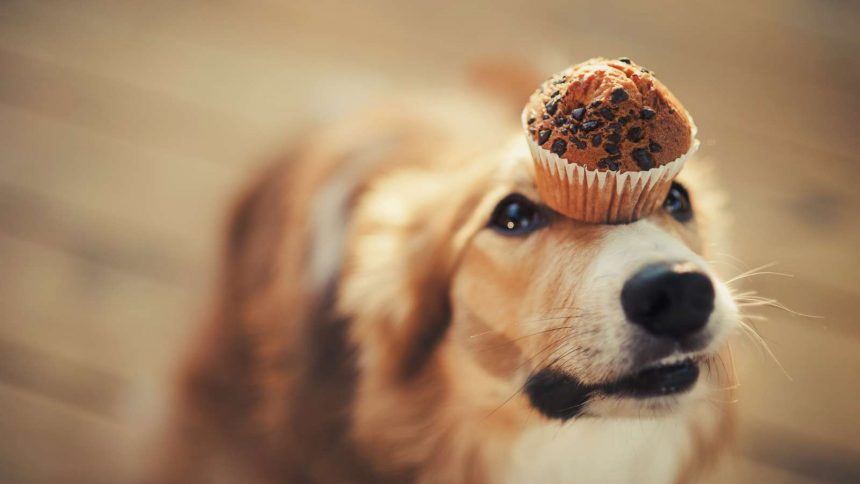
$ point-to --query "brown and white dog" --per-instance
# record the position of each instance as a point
(397, 305)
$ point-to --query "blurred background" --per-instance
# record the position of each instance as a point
(126, 126)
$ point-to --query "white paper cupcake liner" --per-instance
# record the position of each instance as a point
(596, 196)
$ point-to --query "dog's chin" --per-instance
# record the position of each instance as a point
(657, 389)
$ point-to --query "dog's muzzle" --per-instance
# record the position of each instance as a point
(672, 302)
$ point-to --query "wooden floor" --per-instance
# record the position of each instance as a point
(124, 127)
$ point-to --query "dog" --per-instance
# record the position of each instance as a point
(397, 305)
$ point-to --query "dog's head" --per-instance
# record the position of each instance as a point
(598, 319)
(464, 274)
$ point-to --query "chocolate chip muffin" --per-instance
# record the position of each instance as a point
(611, 121)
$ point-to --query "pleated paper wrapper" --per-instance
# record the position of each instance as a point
(607, 197)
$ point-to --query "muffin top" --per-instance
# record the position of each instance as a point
(608, 115)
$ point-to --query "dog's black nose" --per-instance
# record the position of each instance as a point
(672, 300)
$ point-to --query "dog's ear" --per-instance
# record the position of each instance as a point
(401, 256)
(509, 80)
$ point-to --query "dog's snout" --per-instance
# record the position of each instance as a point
(668, 299)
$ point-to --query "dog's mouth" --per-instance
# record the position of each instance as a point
(656, 380)
(559, 395)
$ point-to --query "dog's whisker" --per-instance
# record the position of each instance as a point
(542, 319)
(482, 333)
(751, 271)
(742, 294)
(719, 401)
(732, 258)
(755, 301)
(752, 304)
(528, 321)
(549, 330)
(731, 352)
(519, 390)
(729, 256)
(523, 386)
(548, 347)
(756, 274)
(755, 317)
(757, 338)
(518, 338)
(722, 362)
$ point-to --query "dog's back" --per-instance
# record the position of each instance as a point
(266, 391)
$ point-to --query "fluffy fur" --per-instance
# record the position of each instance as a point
(369, 327)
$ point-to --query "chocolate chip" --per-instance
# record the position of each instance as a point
(646, 71)
(545, 116)
(612, 149)
(614, 137)
(532, 131)
(643, 159)
(559, 121)
(625, 60)
(555, 93)
(531, 120)
(580, 145)
(594, 104)
(543, 135)
(591, 125)
(647, 113)
(624, 119)
(654, 147)
(559, 146)
(596, 140)
(552, 107)
(574, 128)
(607, 113)
(560, 80)
(619, 95)
(634, 134)
(564, 131)
(578, 113)
(610, 162)
(615, 127)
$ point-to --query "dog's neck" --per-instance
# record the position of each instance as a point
(598, 450)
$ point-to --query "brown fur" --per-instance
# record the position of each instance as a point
(401, 367)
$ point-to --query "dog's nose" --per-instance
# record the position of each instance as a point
(668, 299)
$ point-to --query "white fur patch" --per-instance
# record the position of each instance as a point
(330, 212)
(604, 451)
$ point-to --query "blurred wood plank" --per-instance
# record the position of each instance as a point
(744, 470)
(803, 219)
(84, 311)
(753, 85)
(264, 97)
(817, 398)
(43, 220)
(124, 53)
(138, 115)
(46, 442)
(94, 184)
(38, 372)
(801, 456)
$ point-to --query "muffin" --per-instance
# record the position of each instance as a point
(607, 140)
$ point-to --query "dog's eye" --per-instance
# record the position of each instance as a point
(677, 203)
(516, 215)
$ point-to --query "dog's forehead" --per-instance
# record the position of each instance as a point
(516, 169)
